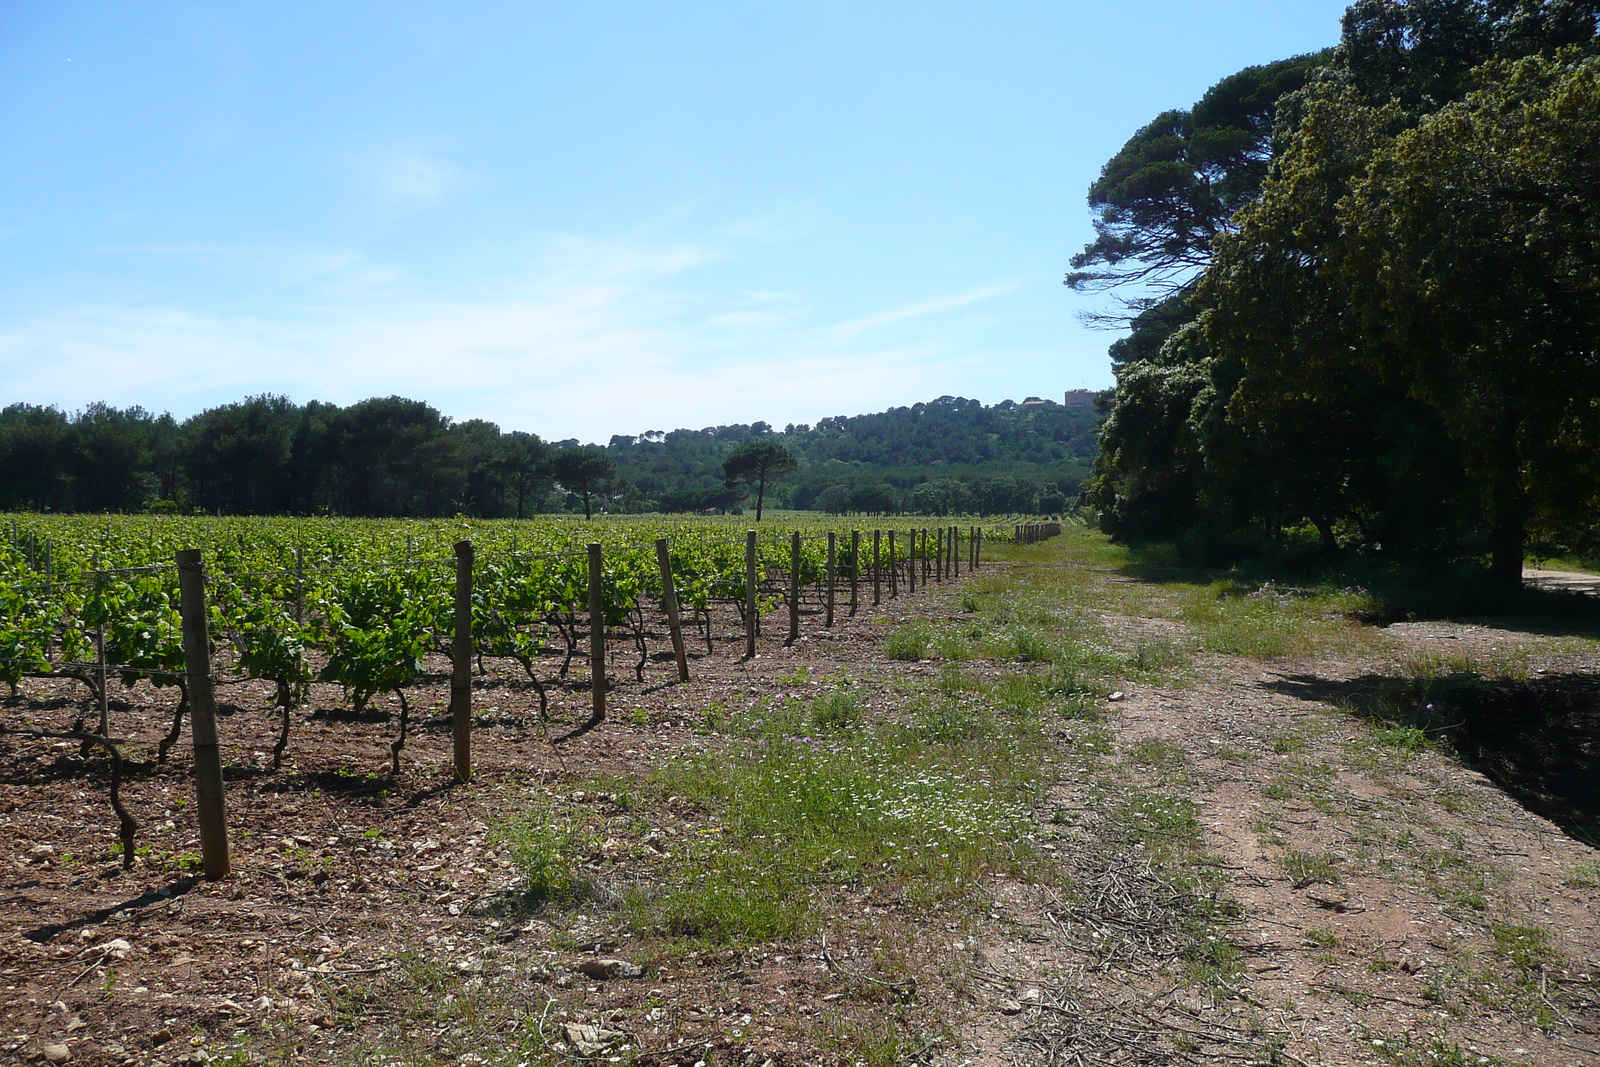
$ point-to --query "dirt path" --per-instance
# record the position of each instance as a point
(1243, 872)
(1564, 581)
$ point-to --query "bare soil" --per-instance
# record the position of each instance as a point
(1379, 903)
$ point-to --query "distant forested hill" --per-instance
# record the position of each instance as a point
(950, 454)
(394, 456)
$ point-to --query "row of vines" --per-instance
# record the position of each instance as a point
(366, 604)
(362, 603)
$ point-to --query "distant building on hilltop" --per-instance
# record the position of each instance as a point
(1081, 399)
(1034, 402)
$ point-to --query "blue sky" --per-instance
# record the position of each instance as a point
(577, 219)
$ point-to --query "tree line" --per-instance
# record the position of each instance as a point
(1010, 457)
(394, 456)
(1366, 294)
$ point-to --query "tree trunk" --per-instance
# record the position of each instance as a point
(761, 495)
(1330, 544)
(1507, 509)
(586, 513)
(1506, 550)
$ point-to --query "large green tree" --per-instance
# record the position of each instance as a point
(1478, 236)
(1421, 53)
(757, 462)
(1337, 369)
(237, 455)
(111, 454)
(581, 470)
(1173, 187)
(1160, 204)
(33, 450)
(525, 464)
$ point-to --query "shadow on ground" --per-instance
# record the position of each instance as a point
(1537, 738)
(362, 787)
(162, 896)
(1400, 590)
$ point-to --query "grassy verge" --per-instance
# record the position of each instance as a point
(810, 793)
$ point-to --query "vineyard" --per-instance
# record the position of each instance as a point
(954, 826)
(376, 608)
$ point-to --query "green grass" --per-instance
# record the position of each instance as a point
(1163, 822)
(1157, 661)
(1584, 875)
(1268, 621)
(1288, 744)
(1228, 613)
(955, 644)
(909, 641)
(1308, 868)
(809, 794)
(1527, 948)
(547, 849)
(1408, 740)
(1409, 1051)
(1157, 753)
(1461, 666)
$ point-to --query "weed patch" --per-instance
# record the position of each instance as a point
(548, 851)
(808, 793)
(1309, 869)
(1585, 875)
(909, 641)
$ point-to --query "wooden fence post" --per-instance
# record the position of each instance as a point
(855, 571)
(461, 675)
(669, 604)
(955, 552)
(750, 595)
(911, 564)
(100, 655)
(877, 568)
(299, 586)
(597, 630)
(50, 591)
(303, 688)
(833, 559)
(210, 803)
(894, 575)
(794, 588)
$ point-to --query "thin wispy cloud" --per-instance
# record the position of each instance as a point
(289, 262)
(610, 325)
(407, 180)
(567, 256)
(932, 307)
